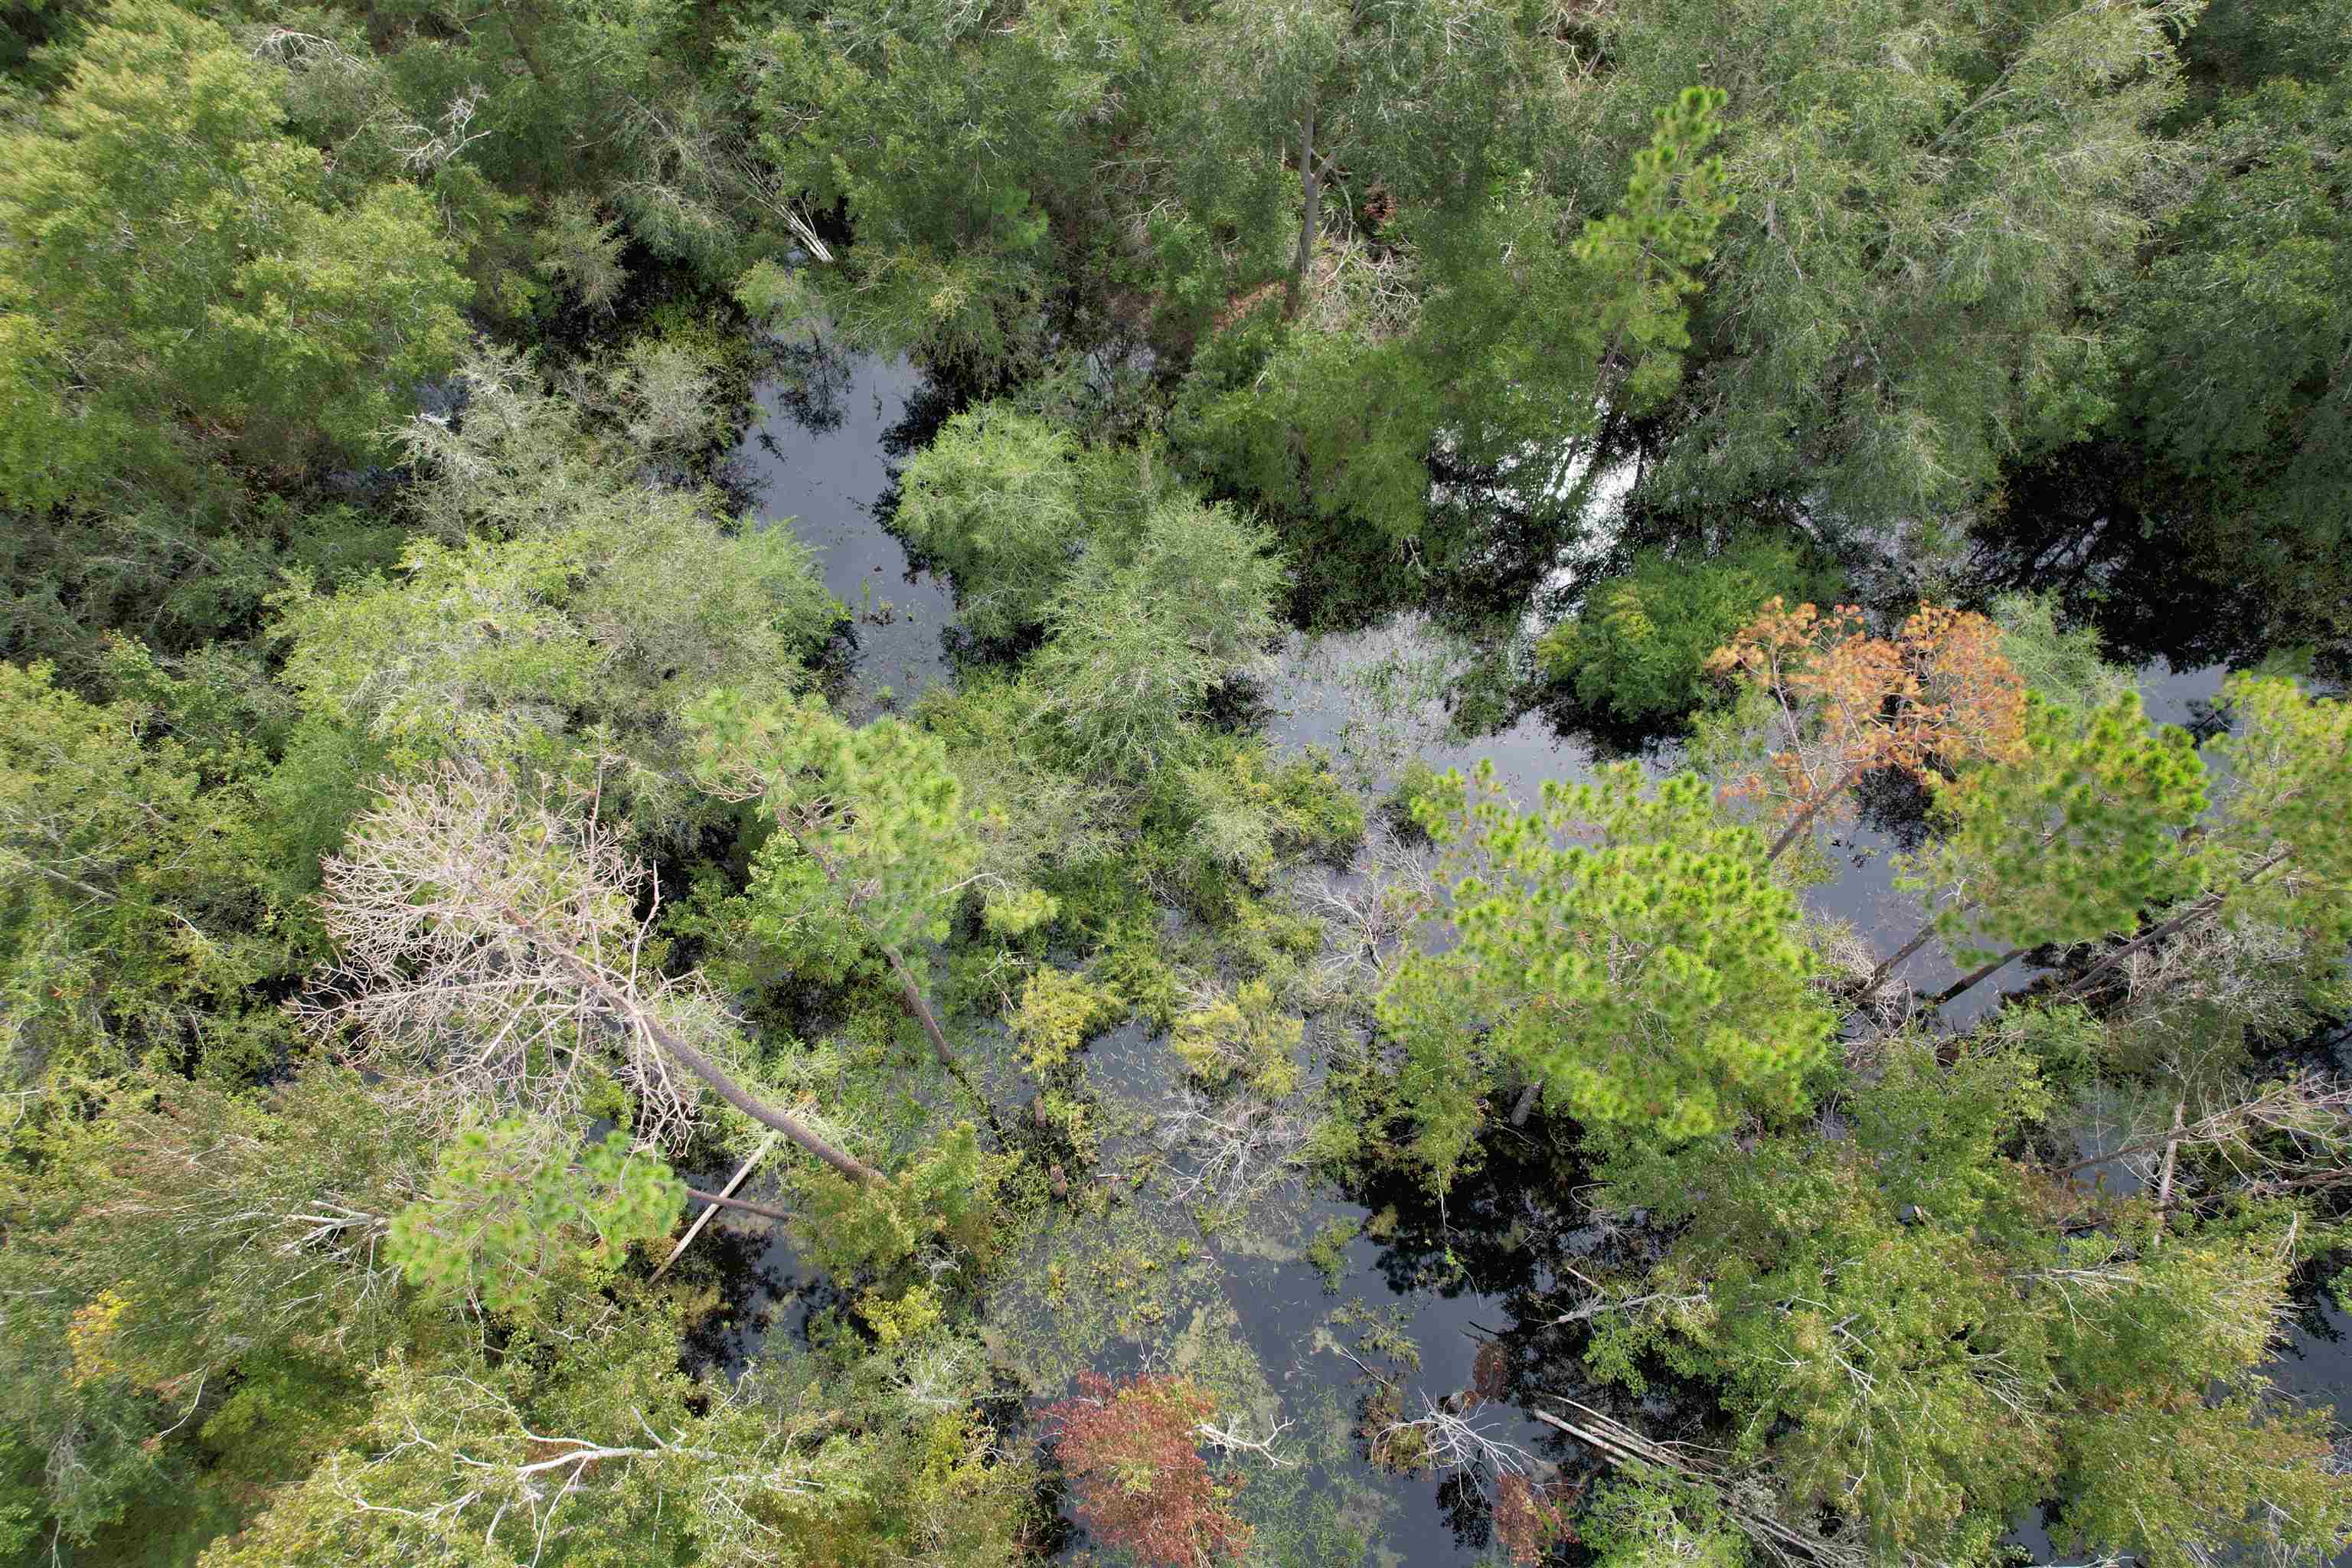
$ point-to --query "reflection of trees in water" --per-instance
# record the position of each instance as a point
(2076, 525)
(811, 380)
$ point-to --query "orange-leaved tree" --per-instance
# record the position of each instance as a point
(1132, 1453)
(1839, 701)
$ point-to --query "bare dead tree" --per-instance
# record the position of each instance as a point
(489, 948)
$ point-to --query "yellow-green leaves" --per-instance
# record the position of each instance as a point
(2072, 840)
(1625, 947)
(181, 259)
(516, 1209)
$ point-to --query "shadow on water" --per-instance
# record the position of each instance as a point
(1472, 1280)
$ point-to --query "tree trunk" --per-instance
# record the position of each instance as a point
(1310, 188)
(1900, 954)
(1805, 817)
(2196, 912)
(695, 1062)
(1968, 981)
(919, 1009)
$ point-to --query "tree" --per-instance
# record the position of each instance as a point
(1626, 949)
(138, 915)
(993, 500)
(875, 848)
(1910, 1329)
(2065, 844)
(2280, 848)
(1146, 627)
(188, 1242)
(1838, 702)
(1133, 1451)
(1639, 644)
(2246, 424)
(173, 254)
(514, 1206)
(489, 950)
(1904, 301)
(569, 611)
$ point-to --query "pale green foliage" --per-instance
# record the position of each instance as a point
(2065, 666)
(1250, 1036)
(169, 250)
(876, 846)
(1625, 947)
(1647, 1517)
(2286, 802)
(994, 500)
(588, 1447)
(1917, 1342)
(580, 248)
(2073, 841)
(1141, 632)
(568, 609)
(516, 1208)
(138, 910)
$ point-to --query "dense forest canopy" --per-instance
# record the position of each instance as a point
(519, 1046)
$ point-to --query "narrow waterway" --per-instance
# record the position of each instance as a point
(1448, 1278)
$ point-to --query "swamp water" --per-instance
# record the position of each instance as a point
(1309, 1302)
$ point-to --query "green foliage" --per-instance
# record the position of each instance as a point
(1895, 306)
(1248, 1035)
(2234, 342)
(945, 1202)
(173, 254)
(171, 1244)
(1625, 948)
(568, 611)
(1058, 1011)
(1924, 1347)
(1640, 646)
(1139, 635)
(2073, 841)
(993, 500)
(139, 914)
(1648, 1517)
(514, 1211)
(875, 844)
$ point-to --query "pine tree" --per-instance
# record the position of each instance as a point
(2067, 843)
(1626, 948)
(876, 848)
(1839, 701)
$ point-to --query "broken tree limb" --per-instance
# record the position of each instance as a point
(713, 1201)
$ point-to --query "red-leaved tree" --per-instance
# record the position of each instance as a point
(1132, 1454)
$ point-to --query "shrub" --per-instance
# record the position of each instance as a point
(1136, 1469)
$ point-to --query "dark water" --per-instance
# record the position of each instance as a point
(1489, 1263)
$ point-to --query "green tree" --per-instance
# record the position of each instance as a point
(1624, 948)
(181, 1243)
(1932, 200)
(874, 848)
(517, 1208)
(2280, 844)
(994, 500)
(1910, 1329)
(1639, 644)
(1143, 628)
(141, 915)
(567, 612)
(2235, 339)
(2066, 843)
(182, 282)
